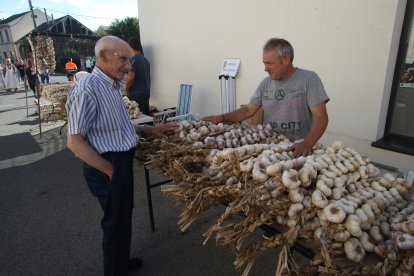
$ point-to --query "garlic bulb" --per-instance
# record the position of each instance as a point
(354, 250)
(353, 225)
(319, 199)
(246, 165)
(295, 196)
(294, 209)
(334, 213)
(290, 179)
(259, 172)
(366, 242)
(375, 234)
(321, 186)
(408, 226)
(274, 170)
(341, 236)
(405, 242)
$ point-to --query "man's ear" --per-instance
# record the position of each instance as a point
(286, 59)
(102, 56)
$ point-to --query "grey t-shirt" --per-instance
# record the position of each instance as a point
(286, 104)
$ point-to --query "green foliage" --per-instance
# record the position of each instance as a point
(125, 28)
(70, 53)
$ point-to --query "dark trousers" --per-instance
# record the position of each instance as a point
(143, 103)
(33, 87)
(44, 78)
(116, 198)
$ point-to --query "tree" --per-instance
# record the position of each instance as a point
(125, 28)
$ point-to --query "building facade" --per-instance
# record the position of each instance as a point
(14, 28)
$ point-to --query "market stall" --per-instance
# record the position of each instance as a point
(335, 202)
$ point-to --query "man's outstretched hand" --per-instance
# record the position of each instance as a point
(159, 131)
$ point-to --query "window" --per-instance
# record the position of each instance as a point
(1, 37)
(7, 36)
(399, 128)
(5, 55)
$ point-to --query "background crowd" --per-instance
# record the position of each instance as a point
(15, 74)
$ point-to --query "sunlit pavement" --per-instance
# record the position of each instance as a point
(18, 116)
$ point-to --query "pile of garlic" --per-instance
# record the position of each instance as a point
(55, 92)
(221, 136)
(335, 194)
(132, 107)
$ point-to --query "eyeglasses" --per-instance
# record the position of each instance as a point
(121, 58)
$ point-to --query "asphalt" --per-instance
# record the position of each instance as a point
(50, 223)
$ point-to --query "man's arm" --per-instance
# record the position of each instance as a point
(130, 81)
(76, 143)
(237, 115)
(158, 131)
(319, 124)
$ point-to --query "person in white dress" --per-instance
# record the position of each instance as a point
(10, 77)
(2, 76)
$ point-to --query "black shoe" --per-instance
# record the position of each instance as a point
(134, 263)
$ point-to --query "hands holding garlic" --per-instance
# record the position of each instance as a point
(301, 149)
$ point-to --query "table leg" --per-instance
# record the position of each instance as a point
(148, 187)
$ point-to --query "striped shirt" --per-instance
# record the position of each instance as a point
(96, 110)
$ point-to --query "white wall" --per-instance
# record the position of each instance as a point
(351, 44)
(23, 25)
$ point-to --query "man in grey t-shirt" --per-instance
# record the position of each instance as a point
(293, 100)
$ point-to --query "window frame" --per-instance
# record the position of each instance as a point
(391, 141)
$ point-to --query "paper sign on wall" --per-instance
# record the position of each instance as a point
(230, 67)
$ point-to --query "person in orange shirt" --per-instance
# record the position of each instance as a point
(71, 69)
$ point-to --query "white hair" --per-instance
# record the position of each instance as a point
(106, 43)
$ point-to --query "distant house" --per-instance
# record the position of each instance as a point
(102, 29)
(14, 28)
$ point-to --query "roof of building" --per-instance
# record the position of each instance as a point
(11, 18)
(48, 25)
(50, 28)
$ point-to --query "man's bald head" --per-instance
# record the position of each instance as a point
(112, 56)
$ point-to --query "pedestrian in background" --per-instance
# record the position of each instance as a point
(20, 68)
(2, 76)
(31, 77)
(88, 65)
(44, 72)
(138, 85)
(10, 77)
(102, 136)
(71, 69)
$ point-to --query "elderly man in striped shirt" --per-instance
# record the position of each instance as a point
(102, 136)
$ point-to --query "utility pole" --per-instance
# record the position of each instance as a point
(47, 19)
(35, 64)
